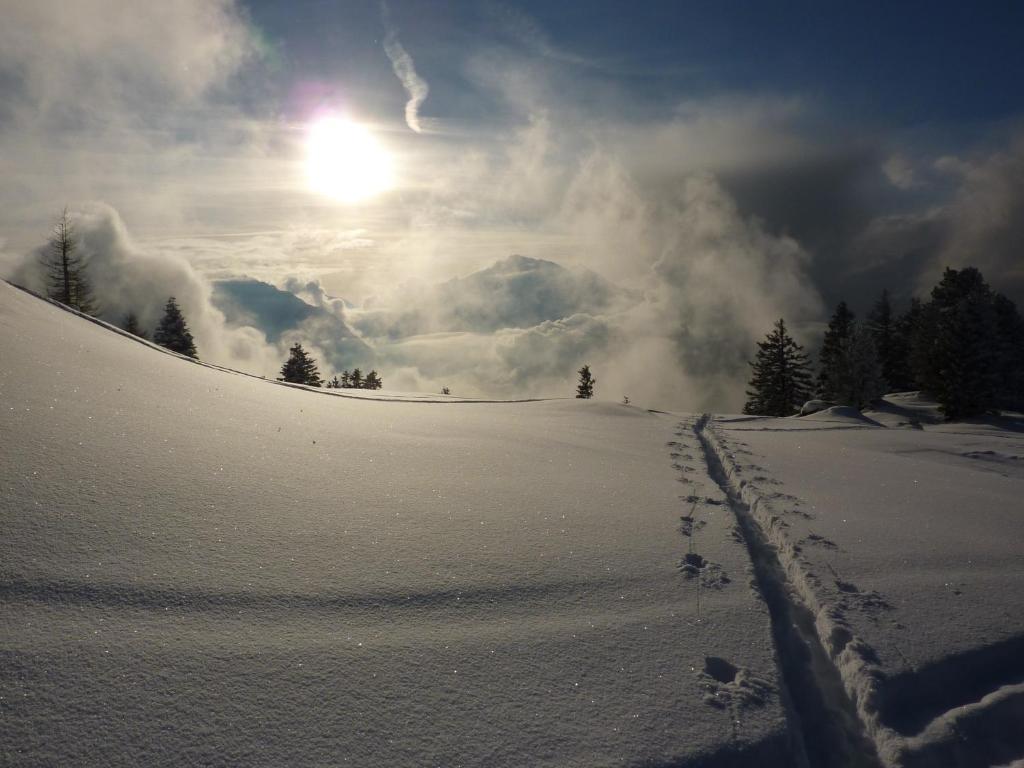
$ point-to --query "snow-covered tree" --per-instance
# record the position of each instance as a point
(173, 333)
(839, 329)
(781, 380)
(585, 387)
(65, 268)
(300, 368)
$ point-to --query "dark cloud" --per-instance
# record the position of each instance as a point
(986, 218)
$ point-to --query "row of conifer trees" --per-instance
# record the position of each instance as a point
(68, 282)
(301, 368)
(964, 346)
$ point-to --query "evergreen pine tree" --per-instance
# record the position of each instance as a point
(954, 346)
(300, 368)
(900, 376)
(585, 387)
(65, 268)
(373, 381)
(781, 380)
(334, 383)
(173, 333)
(839, 329)
(356, 379)
(855, 375)
(131, 324)
(890, 346)
(1009, 354)
(346, 380)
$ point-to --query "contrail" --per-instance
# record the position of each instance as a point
(405, 70)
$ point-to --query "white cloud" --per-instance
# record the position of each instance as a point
(405, 70)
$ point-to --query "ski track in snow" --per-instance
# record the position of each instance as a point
(822, 717)
(964, 711)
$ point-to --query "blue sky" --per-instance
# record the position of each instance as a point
(897, 65)
(724, 163)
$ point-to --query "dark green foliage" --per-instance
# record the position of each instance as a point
(781, 380)
(855, 373)
(839, 329)
(585, 387)
(372, 381)
(955, 344)
(356, 380)
(901, 368)
(892, 343)
(1009, 342)
(131, 324)
(334, 383)
(173, 333)
(300, 368)
(65, 269)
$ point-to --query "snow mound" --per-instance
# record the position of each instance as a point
(813, 406)
(843, 414)
(911, 410)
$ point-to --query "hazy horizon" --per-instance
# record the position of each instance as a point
(716, 168)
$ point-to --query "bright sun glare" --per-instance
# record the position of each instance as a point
(345, 161)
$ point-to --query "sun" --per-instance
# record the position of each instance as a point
(345, 162)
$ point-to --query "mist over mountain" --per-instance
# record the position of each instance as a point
(515, 292)
(261, 305)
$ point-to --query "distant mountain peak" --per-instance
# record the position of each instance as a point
(519, 263)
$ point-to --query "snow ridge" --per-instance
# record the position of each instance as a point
(822, 713)
(351, 394)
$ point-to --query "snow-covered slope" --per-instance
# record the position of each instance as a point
(905, 537)
(203, 568)
(200, 567)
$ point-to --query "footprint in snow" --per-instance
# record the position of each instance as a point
(821, 541)
(711, 575)
(727, 685)
(688, 524)
(868, 602)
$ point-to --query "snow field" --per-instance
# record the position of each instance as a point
(200, 567)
